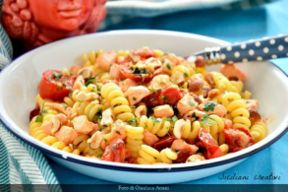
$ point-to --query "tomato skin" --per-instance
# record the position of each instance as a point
(49, 89)
(126, 73)
(236, 140)
(115, 152)
(34, 112)
(164, 143)
(145, 53)
(207, 142)
(183, 155)
(170, 95)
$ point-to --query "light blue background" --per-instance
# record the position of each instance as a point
(231, 25)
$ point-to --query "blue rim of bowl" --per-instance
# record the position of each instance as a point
(155, 169)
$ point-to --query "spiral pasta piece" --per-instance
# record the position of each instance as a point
(223, 84)
(35, 129)
(167, 155)
(215, 126)
(44, 108)
(224, 148)
(239, 113)
(147, 155)
(181, 73)
(90, 109)
(186, 130)
(115, 97)
(81, 146)
(258, 131)
(134, 139)
(89, 58)
(156, 126)
(237, 86)
(85, 93)
(38, 133)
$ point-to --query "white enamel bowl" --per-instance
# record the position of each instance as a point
(18, 87)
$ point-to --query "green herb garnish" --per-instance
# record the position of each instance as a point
(98, 115)
(56, 75)
(139, 71)
(174, 118)
(90, 81)
(169, 66)
(209, 106)
(39, 118)
(164, 97)
(155, 120)
(186, 75)
(132, 121)
(205, 119)
(194, 115)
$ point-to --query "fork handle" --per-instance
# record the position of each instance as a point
(253, 50)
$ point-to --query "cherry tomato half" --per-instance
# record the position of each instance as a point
(238, 139)
(164, 143)
(126, 73)
(170, 95)
(55, 85)
(207, 142)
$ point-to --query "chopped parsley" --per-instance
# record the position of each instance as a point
(56, 75)
(98, 115)
(139, 71)
(155, 120)
(209, 106)
(90, 81)
(39, 118)
(205, 119)
(186, 75)
(168, 65)
(194, 115)
(164, 97)
(132, 121)
(174, 118)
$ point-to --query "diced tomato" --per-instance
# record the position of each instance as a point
(34, 112)
(115, 152)
(145, 78)
(238, 139)
(209, 144)
(153, 99)
(170, 95)
(55, 85)
(145, 53)
(164, 143)
(183, 155)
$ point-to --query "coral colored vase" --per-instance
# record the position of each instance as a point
(41, 21)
